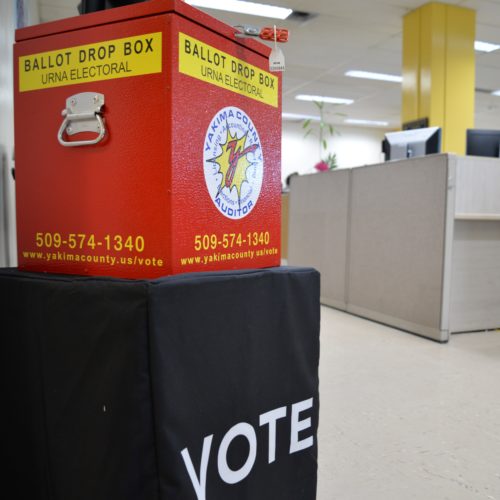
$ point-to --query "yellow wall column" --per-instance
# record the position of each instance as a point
(439, 70)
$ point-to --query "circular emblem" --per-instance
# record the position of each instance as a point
(233, 162)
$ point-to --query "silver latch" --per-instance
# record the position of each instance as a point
(82, 114)
(246, 30)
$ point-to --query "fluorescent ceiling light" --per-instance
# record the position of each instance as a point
(318, 98)
(375, 123)
(496, 92)
(298, 116)
(485, 46)
(374, 76)
(252, 8)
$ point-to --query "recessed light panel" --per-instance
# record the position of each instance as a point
(327, 99)
(485, 46)
(298, 116)
(251, 8)
(370, 123)
(374, 76)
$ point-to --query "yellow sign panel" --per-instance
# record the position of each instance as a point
(120, 58)
(211, 65)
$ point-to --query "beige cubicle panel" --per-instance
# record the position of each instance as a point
(414, 243)
(475, 287)
(318, 209)
(397, 247)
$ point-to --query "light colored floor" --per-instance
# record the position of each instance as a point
(403, 417)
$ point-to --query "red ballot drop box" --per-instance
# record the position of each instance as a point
(148, 142)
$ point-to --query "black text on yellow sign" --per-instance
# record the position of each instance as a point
(107, 60)
(211, 65)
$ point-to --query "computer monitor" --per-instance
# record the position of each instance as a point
(413, 124)
(483, 142)
(411, 143)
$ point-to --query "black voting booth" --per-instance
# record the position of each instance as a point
(200, 386)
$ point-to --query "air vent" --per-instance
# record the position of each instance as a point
(300, 16)
(483, 91)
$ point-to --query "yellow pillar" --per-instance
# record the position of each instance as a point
(439, 70)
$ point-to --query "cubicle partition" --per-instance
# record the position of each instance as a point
(475, 287)
(414, 243)
(318, 214)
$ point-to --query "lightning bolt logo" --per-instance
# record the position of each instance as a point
(233, 162)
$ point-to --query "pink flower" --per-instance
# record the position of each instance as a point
(322, 166)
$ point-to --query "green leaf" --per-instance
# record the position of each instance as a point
(319, 104)
(330, 127)
(332, 161)
(325, 145)
(308, 133)
(306, 123)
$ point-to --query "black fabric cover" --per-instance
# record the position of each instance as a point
(106, 381)
(87, 6)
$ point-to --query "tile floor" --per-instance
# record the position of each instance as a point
(403, 417)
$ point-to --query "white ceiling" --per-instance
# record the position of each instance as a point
(354, 34)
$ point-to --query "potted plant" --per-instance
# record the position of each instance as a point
(323, 129)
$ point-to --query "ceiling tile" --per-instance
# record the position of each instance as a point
(354, 34)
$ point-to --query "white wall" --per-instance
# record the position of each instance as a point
(7, 219)
(355, 146)
(13, 13)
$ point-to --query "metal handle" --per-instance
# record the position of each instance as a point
(82, 114)
(88, 142)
